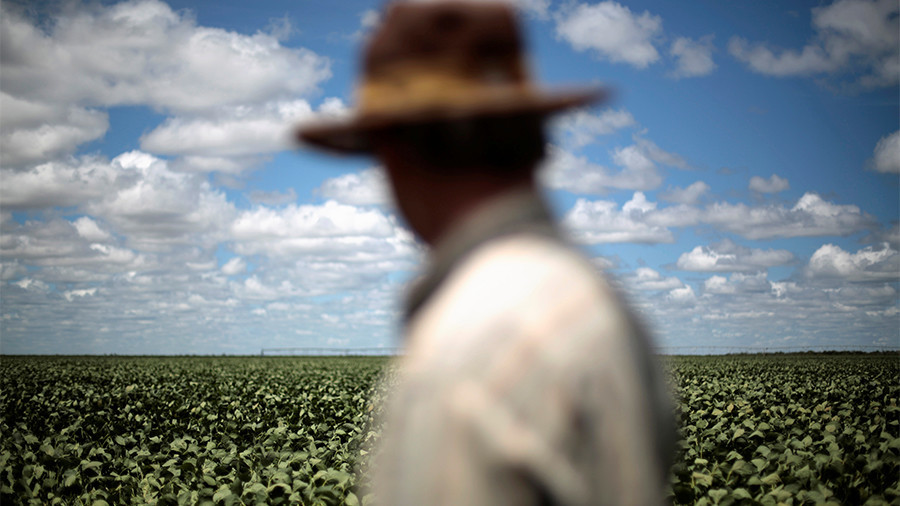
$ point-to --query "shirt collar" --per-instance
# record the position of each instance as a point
(516, 211)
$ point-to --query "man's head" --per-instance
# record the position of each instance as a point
(446, 103)
(431, 62)
(440, 170)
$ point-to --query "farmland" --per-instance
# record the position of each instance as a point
(794, 429)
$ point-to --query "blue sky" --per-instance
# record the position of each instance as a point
(741, 188)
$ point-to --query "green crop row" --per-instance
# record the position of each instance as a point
(183, 430)
(794, 429)
(242, 430)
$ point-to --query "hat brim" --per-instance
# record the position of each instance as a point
(353, 135)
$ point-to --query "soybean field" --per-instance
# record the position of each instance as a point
(773, 429)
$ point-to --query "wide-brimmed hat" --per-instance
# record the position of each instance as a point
(441, 61)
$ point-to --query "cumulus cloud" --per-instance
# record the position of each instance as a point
(368, 20)
(367, 187)
(236, 265)
(142, 52)
(881, 263)
(90, 230)
(718, 285)
(774, 184)
(683, 295)
(70, 182)
(887, 154)
(60, 244)
(647, 279)
(331, 232)
(810, 216)
(850, 35)
(694, 57)
(638, 163)
(33, 132)
(642, 221)
(594, 222)
(727, 256)
(580, 128)
(743, 283)
(233, 95)
(273, 198)
(688, 196)
(158, 208)
(229, 132)
(611, 31)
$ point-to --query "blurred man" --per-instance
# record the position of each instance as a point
(526, 380)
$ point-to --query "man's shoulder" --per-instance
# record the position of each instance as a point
(510, 264)
(518, 277)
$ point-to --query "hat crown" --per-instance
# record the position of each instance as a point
(471, 41)
(441, 61)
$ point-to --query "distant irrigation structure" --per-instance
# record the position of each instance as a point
(766, 350)
(322, 352)
(661, 350)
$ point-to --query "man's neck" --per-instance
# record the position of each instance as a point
(458, 201)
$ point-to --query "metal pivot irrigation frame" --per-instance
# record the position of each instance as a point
(310, 350)
(660, 350)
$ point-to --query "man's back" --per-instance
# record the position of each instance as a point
(525, 382)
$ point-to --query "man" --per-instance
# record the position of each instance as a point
(525, 380)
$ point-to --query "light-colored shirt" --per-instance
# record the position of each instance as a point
(525, 380)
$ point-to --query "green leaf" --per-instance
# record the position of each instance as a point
(771, 479)
(704, 480)
(741, 493)
(222, 493)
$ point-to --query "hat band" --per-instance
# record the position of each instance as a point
(416, 87)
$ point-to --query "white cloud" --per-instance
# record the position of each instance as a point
(581, 127)
(718, 285)
(368, 21)
(811, 60)
(887, 154)
(142, 52)
(60, 243)
(11, 270)
(694, 57)
(642, 221)
(868, 264)
(647, 279)
(160, 208)
(774, 184)
(810, 216)
(612, 31)
(33, 132)
(600, 221)
(331, 233)
(273, 198)
(649, 149)
(367, 187)
(32, 284)
(230, 132)
(688, 196)
(577, 174)
(727, 256)
(236, 265)
(84, 292)
(752, 281)
(59, 183)
(90, 230)
(682, 295)
(742, 283)
(855, 35)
